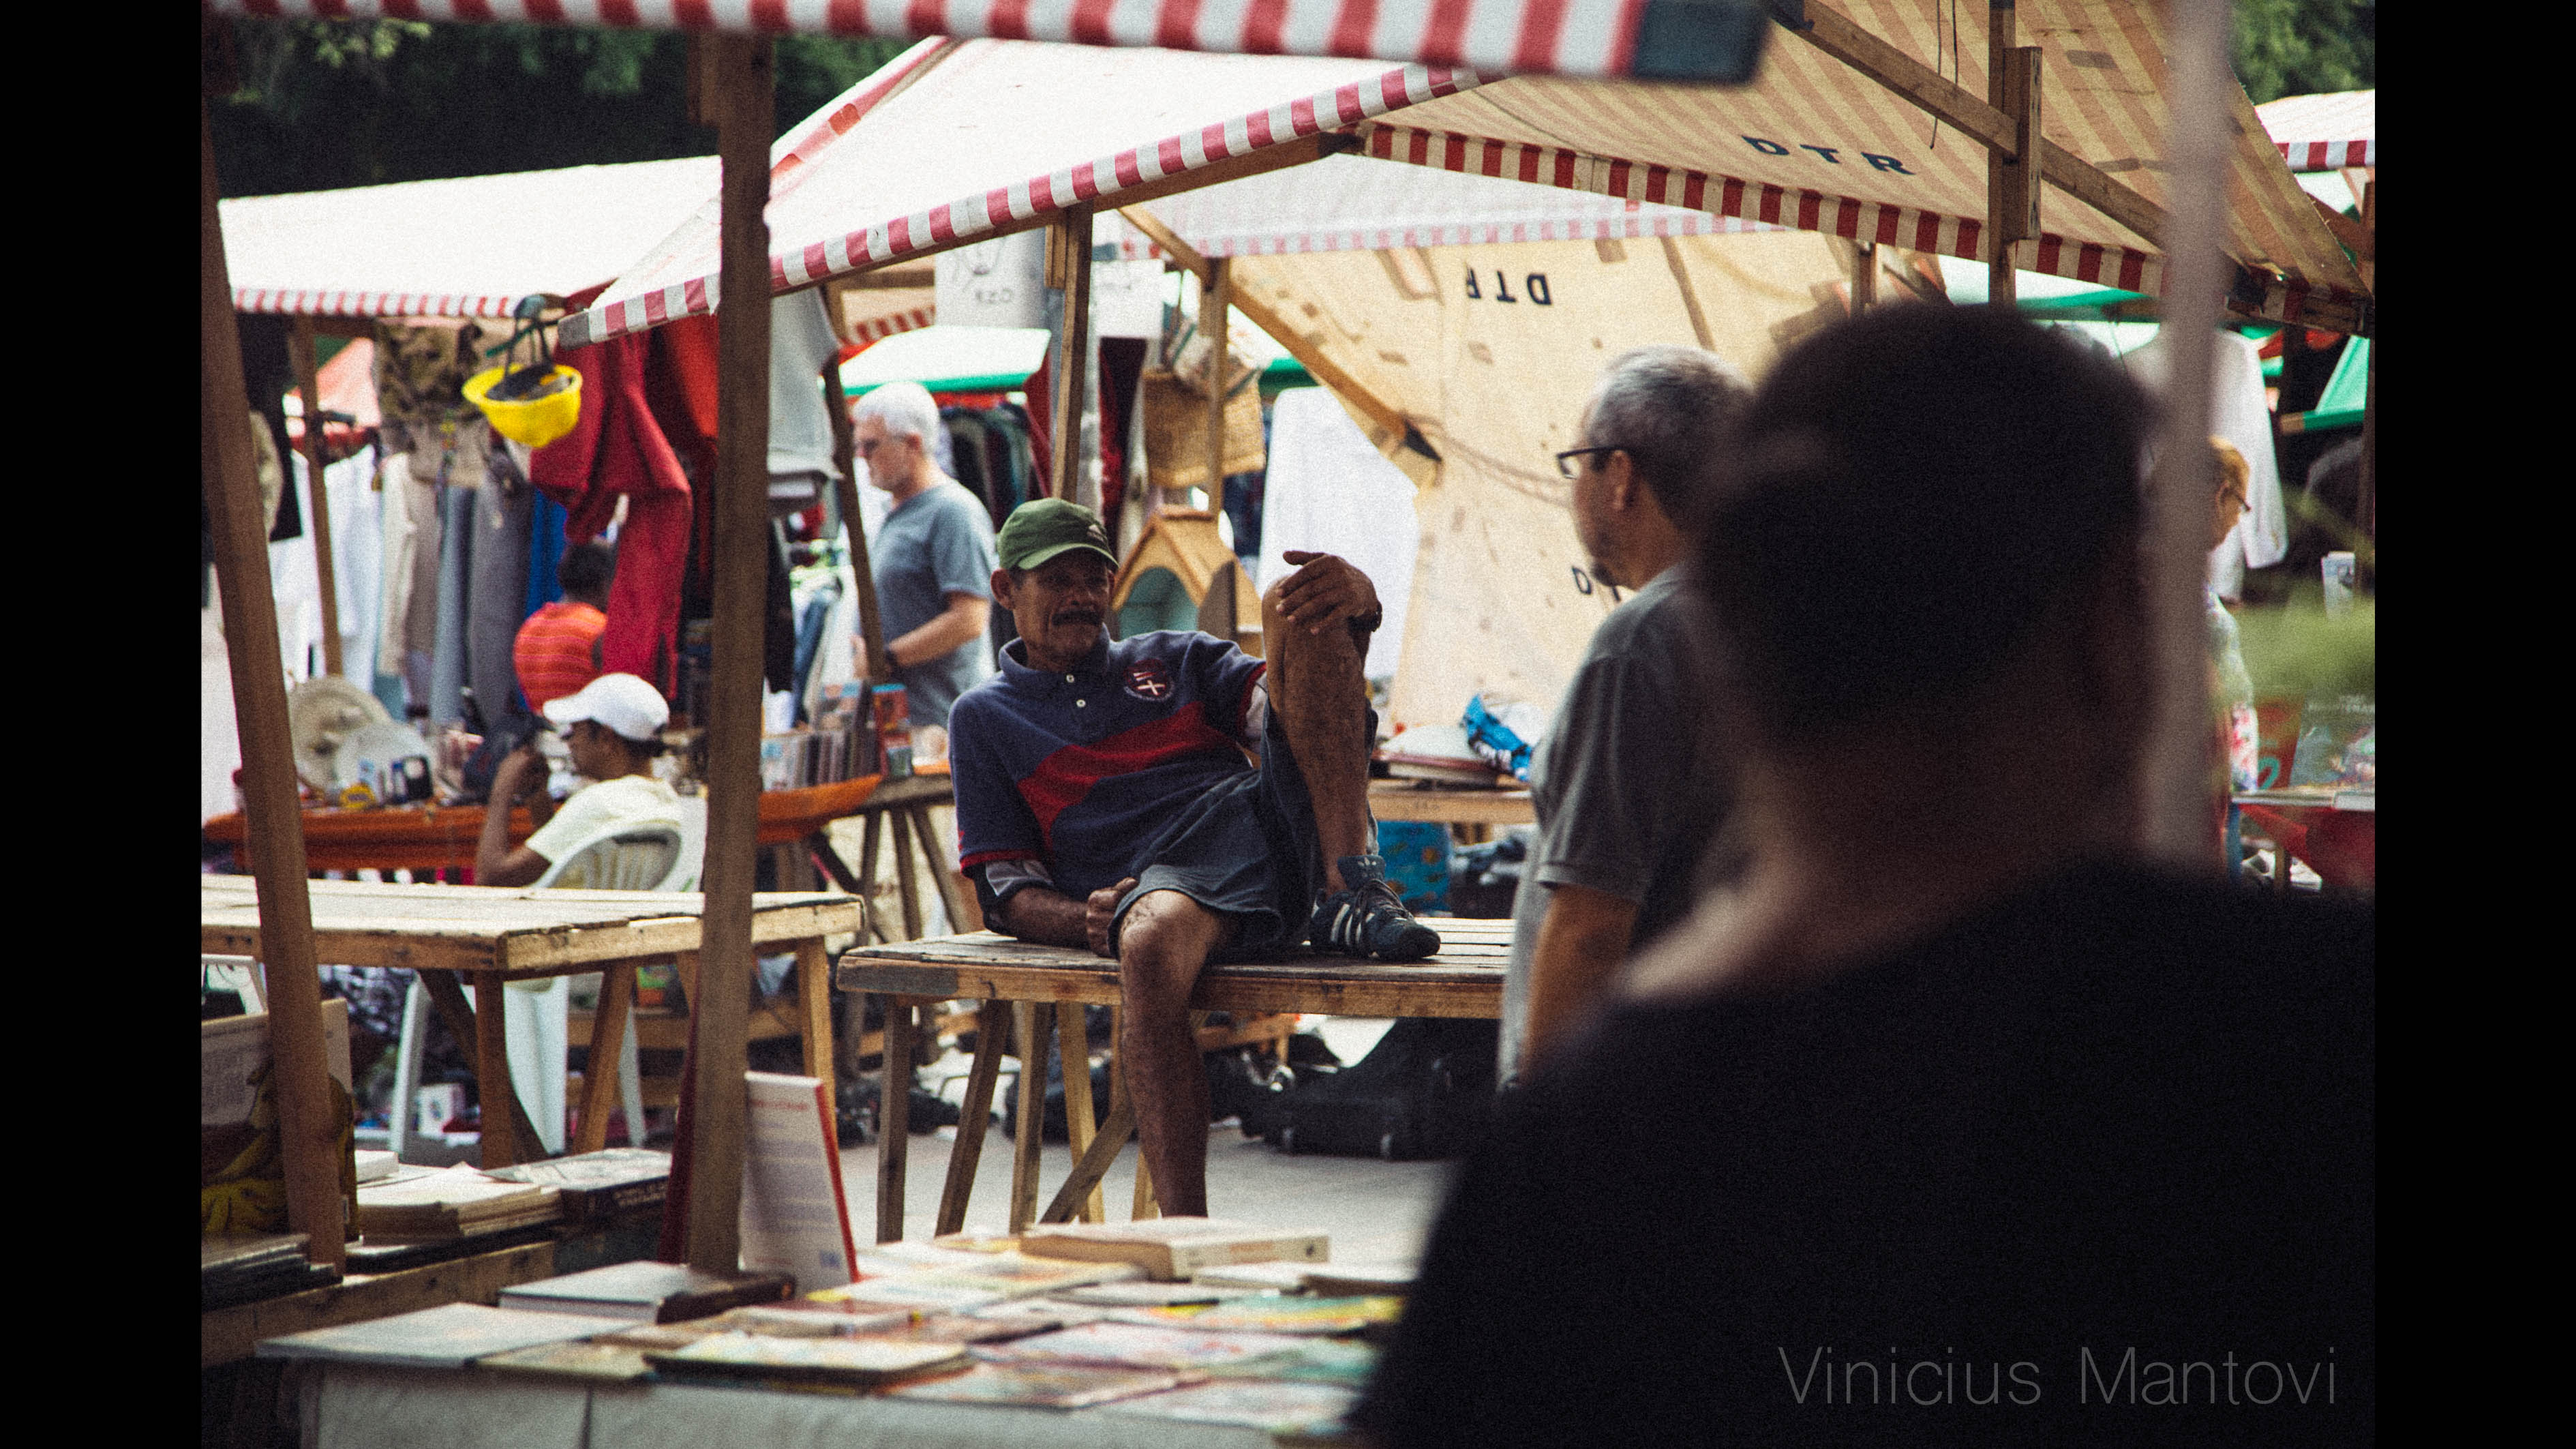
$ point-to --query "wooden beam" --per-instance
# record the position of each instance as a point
(308, 1126)
(738, 85)
(2355, 237)
(1918, 84)
(894, 1116)
(2007, 166)
(1323, 369)
(975, 1116)
(845, 490)
(1073, 1045)
(1864, 282)
(1213, 298)
(1069, 269)
(299, 351)
(1030, 1021)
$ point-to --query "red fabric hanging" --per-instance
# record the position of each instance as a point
(618, 448)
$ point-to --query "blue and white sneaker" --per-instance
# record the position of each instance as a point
(1370, 920)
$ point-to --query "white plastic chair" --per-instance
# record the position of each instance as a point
(629, 858)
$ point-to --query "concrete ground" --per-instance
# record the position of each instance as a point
(1373, 1211)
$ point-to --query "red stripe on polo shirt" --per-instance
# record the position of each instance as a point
(1063, 778)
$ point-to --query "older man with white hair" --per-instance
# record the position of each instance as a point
(932, 559)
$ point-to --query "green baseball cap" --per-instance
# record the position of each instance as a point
(1041, 528)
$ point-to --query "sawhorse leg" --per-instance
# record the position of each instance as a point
(975, 1118)
(483, 1033)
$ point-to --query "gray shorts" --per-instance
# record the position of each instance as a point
(1246, 849)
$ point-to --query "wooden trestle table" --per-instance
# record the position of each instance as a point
(493, 935)
(1464, 980)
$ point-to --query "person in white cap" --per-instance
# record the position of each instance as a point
(613, 727)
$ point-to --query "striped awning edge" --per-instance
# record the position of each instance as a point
(1558, 37)
(1098, 180)
(368, 304)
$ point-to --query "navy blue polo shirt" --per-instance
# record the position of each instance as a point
(1082, 770)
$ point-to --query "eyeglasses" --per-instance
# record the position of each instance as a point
(1565, 460)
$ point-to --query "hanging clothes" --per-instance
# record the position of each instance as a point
(498, 577)
(621, 447)
(447, 671)
(2236, 413)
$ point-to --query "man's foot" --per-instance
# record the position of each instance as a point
(1369, 920)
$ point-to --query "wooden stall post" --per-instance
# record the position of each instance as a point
(1864, 285)
(2012, 182)
(299, 352)
(2174, 806)
(1214, 298)
(308, 1128)
(735, 85)
(845, 486)
(1069, 269)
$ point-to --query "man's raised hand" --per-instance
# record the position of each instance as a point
(1324, 591)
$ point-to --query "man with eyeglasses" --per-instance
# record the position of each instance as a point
(1628, 793)
(933, 557)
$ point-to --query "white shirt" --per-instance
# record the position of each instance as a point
(627, 801)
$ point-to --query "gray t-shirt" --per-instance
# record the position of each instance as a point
(936, 543)
(1628, 786)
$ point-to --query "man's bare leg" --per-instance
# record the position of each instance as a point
(1164, 942)
(1318, 688)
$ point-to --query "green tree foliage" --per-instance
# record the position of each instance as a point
(324, 104)
(2299, 47)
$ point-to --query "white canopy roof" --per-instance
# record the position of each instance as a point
(469, 247)
(2324, 132)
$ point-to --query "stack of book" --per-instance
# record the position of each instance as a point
(455, 1202)
(596, 1186)
(841, 743)
(246, 1269)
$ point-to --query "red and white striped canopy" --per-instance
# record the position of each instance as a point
(470, 247)
(1559, 37)
(963, 138)
(1353, 203)
(2324, 132)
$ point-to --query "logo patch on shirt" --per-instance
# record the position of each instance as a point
(1149, 680)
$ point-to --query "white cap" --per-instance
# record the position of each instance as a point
(622, 702)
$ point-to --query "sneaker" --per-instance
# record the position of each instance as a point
(1370, 920)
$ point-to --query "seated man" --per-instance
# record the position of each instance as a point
(1104, 799)
(613, 727)
(1956, 1121)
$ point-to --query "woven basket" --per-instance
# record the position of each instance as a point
(1176, 432)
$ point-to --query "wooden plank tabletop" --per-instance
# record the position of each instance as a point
(1465, 979)
(1415, 800)
(520, 932)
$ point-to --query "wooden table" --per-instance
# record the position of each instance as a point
(1464, 980)
(443, 837)
(1405, 800)
(494, 935)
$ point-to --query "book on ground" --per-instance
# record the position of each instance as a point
(1277, 1408)
(1151, 1295)
(1045, 1386)
(858, 1361)
(1256, 1277)
(646, 1292)
(375, 1166)
(1317, 1360)
(1354, 1280)
(1137, 1346)
(449, 1336)
(661, 1335)
(1175, 1247)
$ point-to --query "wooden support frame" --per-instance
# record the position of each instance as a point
(736, 86)
(1919, 85)
(308, 386)
(2012, 185)
(1216, 292)
(845, 491)
(1068, 269)
(308, 1129)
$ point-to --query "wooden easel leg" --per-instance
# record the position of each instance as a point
(814, 1022)
(1032, 1019)
(492, 1070)
(955, 895)
(974, 1118)
(607, 1042)
(1093, 1164)
(871, 842)
(894, 1117)
(463, 1023)
(907, 887)
(819, 845)
(1074, 1042)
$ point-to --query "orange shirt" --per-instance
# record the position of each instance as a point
(552, 651)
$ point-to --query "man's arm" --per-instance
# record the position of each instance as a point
(960, 623)
(495, 862)
(1581, 941)
(1050, 917)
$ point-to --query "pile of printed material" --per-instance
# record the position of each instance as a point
(1173, 1318)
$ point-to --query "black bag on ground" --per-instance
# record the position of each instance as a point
(1426, 1090)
